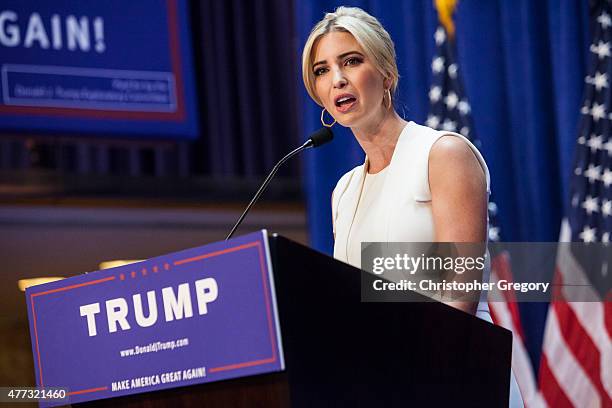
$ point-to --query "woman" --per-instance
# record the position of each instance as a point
(417, 184)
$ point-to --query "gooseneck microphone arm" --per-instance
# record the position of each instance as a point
(320, 137)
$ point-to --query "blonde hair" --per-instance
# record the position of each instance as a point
(368, 32)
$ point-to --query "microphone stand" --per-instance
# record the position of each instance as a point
(308, 144)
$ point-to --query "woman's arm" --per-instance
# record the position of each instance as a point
(459, 197)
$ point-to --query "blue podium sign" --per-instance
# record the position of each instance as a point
(200, 315)
(97, 67)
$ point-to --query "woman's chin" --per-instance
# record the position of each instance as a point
(353, 123)
(343, 123)
(348, 120)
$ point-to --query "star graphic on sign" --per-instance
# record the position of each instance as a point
(452, 71)
(437, 65)
(604, 20)
(451, 100)
(605, 238)
(588, 234)
(598, 111)
(600, 81)
(607, 177)
(581, 140)
(592, 173)
(464, 107)
(585, 110)
(606, 208)
(434, 93)
(602, 49)
(465, 131)
(590, 205)
(432, 121)
(449, 125)
(578, 171)
(595, 143)
(440, 36)
(608, 146)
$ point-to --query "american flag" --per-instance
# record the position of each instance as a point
(576, 365)
(450, 110)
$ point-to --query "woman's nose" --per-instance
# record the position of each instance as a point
(339, 78)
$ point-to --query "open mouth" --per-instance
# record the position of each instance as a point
(345, 102)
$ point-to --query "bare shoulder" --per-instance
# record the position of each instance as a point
(452, 154)
(451, 148)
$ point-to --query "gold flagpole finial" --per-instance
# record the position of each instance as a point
(446, 8)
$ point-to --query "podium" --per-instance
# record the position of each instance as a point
(340, 351)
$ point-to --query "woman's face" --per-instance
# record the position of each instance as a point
(346, 81)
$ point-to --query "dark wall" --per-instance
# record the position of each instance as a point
(248, 79)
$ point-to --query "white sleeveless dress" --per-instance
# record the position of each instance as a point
(394, 205)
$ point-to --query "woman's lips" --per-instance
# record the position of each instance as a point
(345, 107)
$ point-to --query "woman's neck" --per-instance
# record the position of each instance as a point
(378, 139)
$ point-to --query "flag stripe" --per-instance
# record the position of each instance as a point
(504, 312)
(591, 315)
(581, 345)
(521, 365)
(550, 389)
(501, 267)
(608, 316)
(567, 371)
(594, 317)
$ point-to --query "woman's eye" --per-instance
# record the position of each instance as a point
(320, 71)
(352, 61)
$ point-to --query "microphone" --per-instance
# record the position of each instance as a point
(318, 138)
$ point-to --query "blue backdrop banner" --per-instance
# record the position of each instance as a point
(98, 67)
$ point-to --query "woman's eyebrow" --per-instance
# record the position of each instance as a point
(338, 57)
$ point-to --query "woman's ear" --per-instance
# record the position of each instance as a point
(387, 82)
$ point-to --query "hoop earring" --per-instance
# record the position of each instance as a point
(323, 119)
(390, 100)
